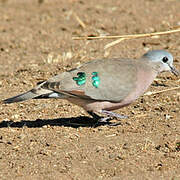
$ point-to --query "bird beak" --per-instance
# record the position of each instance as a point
(174, 70)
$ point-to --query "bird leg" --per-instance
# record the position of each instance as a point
(109, 116)
(99, 118)
(112, 114)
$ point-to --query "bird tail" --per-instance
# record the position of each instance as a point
(21, 97)
(35, 94)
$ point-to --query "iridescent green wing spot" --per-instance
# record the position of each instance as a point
(81, 79)
(95, 80)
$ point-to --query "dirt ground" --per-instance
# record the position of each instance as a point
(36, 43)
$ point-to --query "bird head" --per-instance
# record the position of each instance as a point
(163, 59)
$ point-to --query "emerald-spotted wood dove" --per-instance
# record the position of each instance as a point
(100, 86)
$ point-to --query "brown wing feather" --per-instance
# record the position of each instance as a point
(117, 80)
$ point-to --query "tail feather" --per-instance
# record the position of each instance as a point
(32, 95)
(21, 97)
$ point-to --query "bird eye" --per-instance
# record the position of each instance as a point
(165, 59)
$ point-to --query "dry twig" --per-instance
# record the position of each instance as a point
(129, 36)
(157, 92)
(125, 37)
(82, 24)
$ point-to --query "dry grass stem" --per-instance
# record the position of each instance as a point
(82, 24)
(125, 37)
(130, 36)
(113, 43)
(157, 92)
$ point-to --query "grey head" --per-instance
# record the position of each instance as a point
(164, 60)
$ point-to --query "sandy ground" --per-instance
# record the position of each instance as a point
(36, 43)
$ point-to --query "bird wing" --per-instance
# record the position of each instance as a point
(106, 80)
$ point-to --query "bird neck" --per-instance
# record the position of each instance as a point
(155, 66)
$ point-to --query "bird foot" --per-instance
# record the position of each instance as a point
(106, 120)
(112, 114)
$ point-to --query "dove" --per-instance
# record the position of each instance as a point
(101, 86)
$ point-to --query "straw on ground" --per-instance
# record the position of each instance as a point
(129, 36)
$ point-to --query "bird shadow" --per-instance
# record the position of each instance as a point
(75, 122)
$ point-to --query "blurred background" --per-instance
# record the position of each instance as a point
(36, 43)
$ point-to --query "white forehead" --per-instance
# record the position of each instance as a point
(157, 55)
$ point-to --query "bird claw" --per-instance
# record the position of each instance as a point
(112, 114)
(106, 120)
